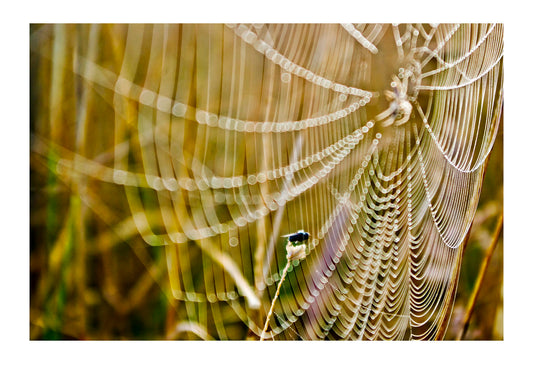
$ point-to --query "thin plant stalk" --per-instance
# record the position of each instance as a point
(479, 280)
(283, 275)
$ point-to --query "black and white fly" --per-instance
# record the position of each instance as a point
(298, 237)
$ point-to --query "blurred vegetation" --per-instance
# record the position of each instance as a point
(92, 276)
(487, 319)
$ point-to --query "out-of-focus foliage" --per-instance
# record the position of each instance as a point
(487, 320)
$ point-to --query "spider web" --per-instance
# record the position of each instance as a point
(223, 138)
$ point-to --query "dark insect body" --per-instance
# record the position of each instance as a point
(299, 236)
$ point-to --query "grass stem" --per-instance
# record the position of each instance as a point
(481, 275)
(283, 275)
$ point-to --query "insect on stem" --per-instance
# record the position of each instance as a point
(296, 246)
